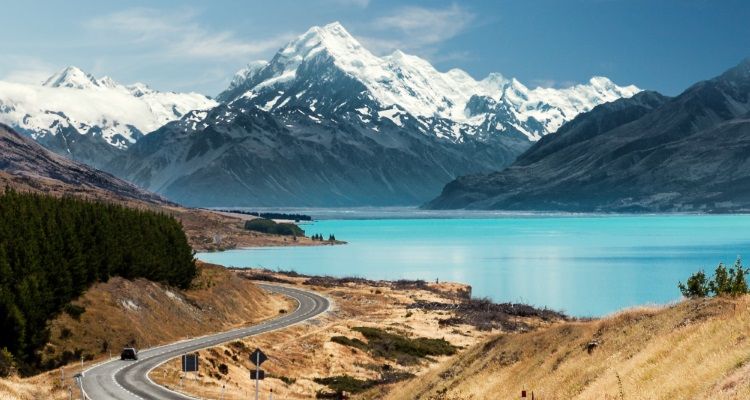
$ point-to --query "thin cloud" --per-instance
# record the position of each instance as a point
(552, 83)
(355, 3)
(419, 28)
(179, 35)
(25, 69)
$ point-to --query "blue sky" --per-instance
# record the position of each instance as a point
(664, 45)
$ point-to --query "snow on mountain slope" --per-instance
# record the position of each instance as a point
(73, 99)
(412, 84)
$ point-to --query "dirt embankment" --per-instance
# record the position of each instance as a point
(697, 349)
(372, 339)
(143, 313)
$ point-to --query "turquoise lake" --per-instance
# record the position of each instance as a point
(583, 265)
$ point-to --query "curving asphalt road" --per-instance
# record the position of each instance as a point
(128, 380)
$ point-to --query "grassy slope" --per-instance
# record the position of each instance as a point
(695, 349)
(121, 311)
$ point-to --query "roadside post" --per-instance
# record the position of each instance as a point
(257, 357)
(79, 382)
(189, 364)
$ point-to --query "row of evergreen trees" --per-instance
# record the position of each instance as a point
(319, 237)
(52, 249)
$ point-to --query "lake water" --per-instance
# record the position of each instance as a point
(583, 265)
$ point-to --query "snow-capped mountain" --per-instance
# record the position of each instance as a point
(325, 122)
(648, 153)
(309, 73)
(89, 119)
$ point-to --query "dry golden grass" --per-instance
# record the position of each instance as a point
(696, 349)
(305, 351)
(146, 314)
(46, 386)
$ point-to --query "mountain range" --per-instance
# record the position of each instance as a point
(327, 123)
(648, 153)
(91, 119)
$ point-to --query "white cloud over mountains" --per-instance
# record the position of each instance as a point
(180, 35)
(419, 29)
(189, 48)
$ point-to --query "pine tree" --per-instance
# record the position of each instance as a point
(738, 279)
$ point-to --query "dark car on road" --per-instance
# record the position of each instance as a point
(129, 353)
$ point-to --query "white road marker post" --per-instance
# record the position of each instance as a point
(257, 373)
(79, 381)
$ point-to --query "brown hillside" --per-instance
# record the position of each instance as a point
(144, 313)
(693, 350)
(27, 166)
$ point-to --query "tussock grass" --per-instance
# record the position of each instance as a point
(693, 349)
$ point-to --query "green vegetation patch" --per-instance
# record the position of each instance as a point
(269, 226)
(351, 342)
(346, 383)
(349, 384)
(403, 350)
(74, 310)
(725, 281)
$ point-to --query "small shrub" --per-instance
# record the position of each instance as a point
(732, 281)
(287, 380)
(7, 363)
(74, 311)
(65, 333)
(223, 369)
(239, 346)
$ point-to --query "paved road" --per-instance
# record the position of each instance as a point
(128, 380)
